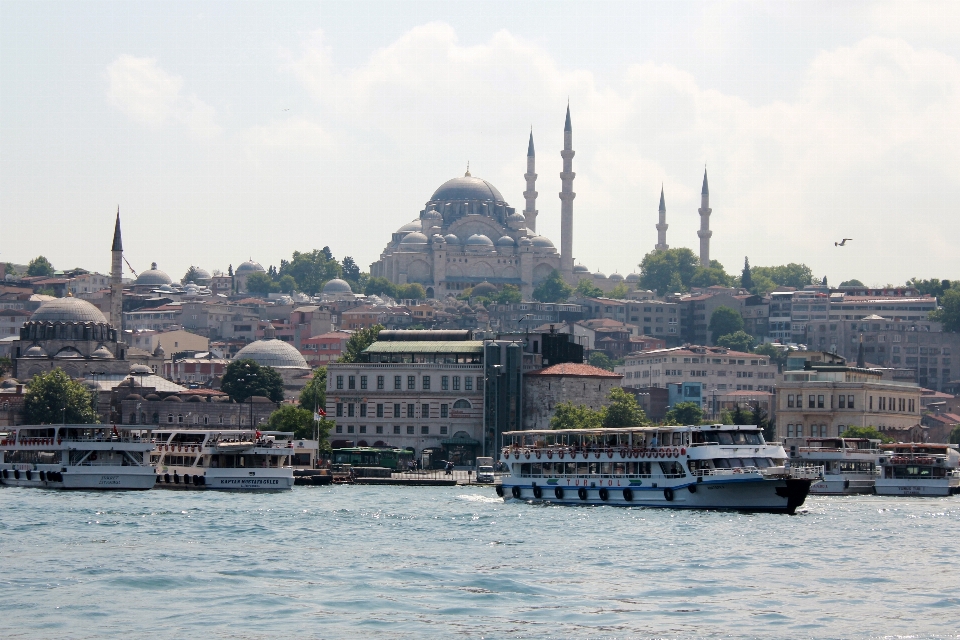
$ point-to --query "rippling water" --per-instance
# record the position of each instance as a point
(444, 562)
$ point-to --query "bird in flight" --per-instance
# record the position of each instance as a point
(842, 242)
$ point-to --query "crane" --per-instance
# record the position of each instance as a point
(130, 266)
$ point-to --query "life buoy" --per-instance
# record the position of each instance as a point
(692, 488)
(604, 494)
(676, 452)
(500, 490)
(515, 491)
(597, 454)
(609, 453)
(526, 454)
(623, 453)
(538, 454)
(560, 454)
(668, 494)
(537, 492)
(549, 454)
(558, 492)
(582, 493)
(43, 476)
(59, 440)
(628, 494)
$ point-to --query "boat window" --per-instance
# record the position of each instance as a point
(711, 436)
(525, 469)
(721, 463)
(724, 437)
(571, 468)
(581, 468)
(537, 469)
(761, 463)
(606, 468)
(594, 468)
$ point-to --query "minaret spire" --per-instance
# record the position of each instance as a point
(116, 279)
(704, 231)
(530, 195)
(662, 225)
(566, 201)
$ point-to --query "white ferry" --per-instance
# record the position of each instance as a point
(680, 467)
(919, 469)
(850, 465)
(233, 460)
(81, 456)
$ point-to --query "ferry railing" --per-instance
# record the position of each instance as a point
(725, 472)
(805, 473)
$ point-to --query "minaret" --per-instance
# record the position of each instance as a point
(566, 201)
(662, 226)
(530, 195)
(116, 280)
(705, 232)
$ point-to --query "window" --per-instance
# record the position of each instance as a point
(443, 431)
(444, 383)
(424, 431)
(379, 410)
(426, 383)
(425, 411)
(396, 410)
(363, 429)
(820, 402)
(339, 428)
(456, 383)
(443, 411)
(339, 382)
(379, 382)
(169, 417)
(823, 431)
(350, 428)
(849, 402)
(842, 404)
(479, 383)
(789, 430)
(811, 402)
(397, 382)
(799, 430)
(461, 404)
(411, 409)
(396, 429)
(363, 382)
(339, 409)
(790, 405)
(411, 382)
(380, 429)
(363, 410)
(350, 410)
(351, 382)
(468, 383)
(410, 431)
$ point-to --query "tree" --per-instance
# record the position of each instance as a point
(553, 289)
(380, 287)
(738, 341)
(668, 271)
(853, 283)
(954, 437)
(619, 292)
(53, 398)
(949, 312)
(623, 410)
(359, 341)
(684, 413)
(509, 294)
(567, 415)
(866, 432)
(715, 274)
(777, 356)
(586, 289)
(311, 270)
(412, 291)
(931, 287)
(287, 284)
(350, 269)
(314, 394)
(6, 364)
(746, 279)
(192, 275)
(245, 378)
(724, 321)
(600, 360)
(788, 275)
(260, 282)
(39, 266)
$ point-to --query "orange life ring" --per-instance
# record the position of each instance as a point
(683, 451)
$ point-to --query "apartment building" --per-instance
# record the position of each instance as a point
(523, 316)
(325, 348)
(161, 318)
(655, 318)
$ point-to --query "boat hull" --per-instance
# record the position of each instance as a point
(909, 487)
(839, 485)
(225, 479)
(85, 478)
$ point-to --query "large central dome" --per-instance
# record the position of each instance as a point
(466, 188)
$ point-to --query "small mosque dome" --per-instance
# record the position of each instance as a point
(506, 241)
(337, 286)
(152, 397)
(433, 215)
(526, 242)
(203, 274)
(272, 353)
(580, 268)
(68, 310)
(68, 353)
(194, 399)
(141, 369)
(616, 276)
(543, 242)
(451, 239)
(599, 276)
(437, 238)
(484, 289)
(414, 238)
(36, 351)
(633, 277)
(516, 220)
(153, 276)
(134, 396)
(102, 352)
(172, 399)
(91, 384)
(249, 267)
(479, 240)
(413, 225)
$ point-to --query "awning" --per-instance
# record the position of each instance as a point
(458, 346)
(460, 442)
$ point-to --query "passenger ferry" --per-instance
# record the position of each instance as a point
(919, 469)
(850, 465)
(76, 456)
(680, 467)
(233, 460)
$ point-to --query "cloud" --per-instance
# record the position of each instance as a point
(147, 94)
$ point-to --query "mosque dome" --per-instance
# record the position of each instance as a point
(599, 276)
(248, 267)
(102, 352)
(542, 241)
(479, 240)
(203, 274)
(36, 351)
(432, 214)
(580, 268)
(484, 289)
(413, 225)
(140, 369)
(526, 242)
(451, 239)
(153, 277)
(67, 353)
(466, 188)
(506, 241)
(414, 238)
(516, 220)
(337, 286)
(633, 277)
(272, 353)
(616, 276)
(68, 310)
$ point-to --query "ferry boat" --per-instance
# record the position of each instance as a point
(679, 467)
(919, 469)
(232, 460)
(850, 465)
(76, 456)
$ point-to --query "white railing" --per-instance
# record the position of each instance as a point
(736, 471)
(805, 473)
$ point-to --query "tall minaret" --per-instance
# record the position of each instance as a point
(566, 201)
(116, 280)
(530, 195)
(662, 226)
(705, 232)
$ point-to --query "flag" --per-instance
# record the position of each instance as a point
(258, 433)
(319, 415)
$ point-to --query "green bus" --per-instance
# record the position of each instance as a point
(396, 459)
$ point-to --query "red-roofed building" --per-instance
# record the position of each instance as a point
(581, 384)
(324, 348)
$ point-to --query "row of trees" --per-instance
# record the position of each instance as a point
(307, 272)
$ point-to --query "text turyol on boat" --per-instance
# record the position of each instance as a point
(691, 467)
(919, 469)
(76, 456)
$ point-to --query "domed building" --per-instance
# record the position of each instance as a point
(150, 279)
(337, 289)
(244, 271)
(281, 356)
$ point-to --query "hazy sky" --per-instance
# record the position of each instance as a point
(230, 130)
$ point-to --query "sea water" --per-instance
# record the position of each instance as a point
(419, 562)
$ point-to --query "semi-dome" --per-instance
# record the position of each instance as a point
(36, 351)
(413, 225)
(414, 238)
(479, 240)
(633, 277)
(102, 352)
(153, 276)
(272, 353)
(466, 188)
(526, 242)
(249, 267)
(68, 310)
(542, 241)
(140, 370)
(451, 239)
(581, 268)
(516, 220)
(506, 241)
(337, 286)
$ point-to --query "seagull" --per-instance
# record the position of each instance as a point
(842, 242)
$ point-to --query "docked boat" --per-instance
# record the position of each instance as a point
(232, 460)
(919, 469)
(679, 467)
(850, 465)
(83, 456)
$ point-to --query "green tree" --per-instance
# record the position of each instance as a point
(53, 397)
(853, 283)
(741, 417)
(314, 393)
(724, 321)
(600, 360)
(509, 294)
(39, 266)
(668, 271)
(788, 275)
(359, 341)
(738, 341)
(746, 278)
(949, 312)
(684, 413)
(776, 355)
(192, 275)
(586, 289)
(290, 417)
(311, 270)
(619, 292)
(380, 287)
(866, 432)
(287, 284)
(351, 272)
(623, 411)
(932, 287)
(553, 289)
(567, 415)
(261, 283)
(245, 378)
(6, 365)
(715, 274)
(954, 437)
(412, 291)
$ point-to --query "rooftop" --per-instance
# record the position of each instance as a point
(459, 346)
(575, 369)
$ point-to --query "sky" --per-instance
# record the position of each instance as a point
(226, 131)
